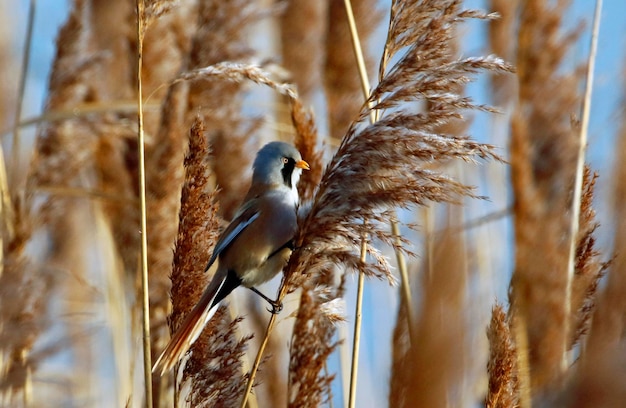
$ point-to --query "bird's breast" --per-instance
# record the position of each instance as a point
(260, 251)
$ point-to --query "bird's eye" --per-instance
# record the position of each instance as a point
(285, 160)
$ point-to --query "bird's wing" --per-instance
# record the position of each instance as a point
(190, 329)
(244, 217)
(221, 285)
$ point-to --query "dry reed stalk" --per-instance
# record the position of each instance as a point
(16, 148)
(543, 151)
(342, 83)
(503, 391)
(579, 180)
(598, 377)
(167, 41)
(374, 115)
(10, 94)
(141, 164)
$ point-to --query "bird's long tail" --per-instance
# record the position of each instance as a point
(194, 322)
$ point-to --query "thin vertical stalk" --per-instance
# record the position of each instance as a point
(358, 53)
(356, 341)
(259, 356)
(578, 181)
(354, 366)
(520, 332)
(404, 277)
(147, 363)
(15, 156)
(406, 290)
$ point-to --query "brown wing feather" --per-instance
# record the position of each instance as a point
(191, 327)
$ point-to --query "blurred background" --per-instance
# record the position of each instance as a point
(82, 341)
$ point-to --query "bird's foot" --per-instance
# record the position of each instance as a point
(277, 305)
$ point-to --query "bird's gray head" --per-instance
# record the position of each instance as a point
(278, 163)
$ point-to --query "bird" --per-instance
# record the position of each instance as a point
(253, 248)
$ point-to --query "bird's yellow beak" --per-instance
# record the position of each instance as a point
(303, 165)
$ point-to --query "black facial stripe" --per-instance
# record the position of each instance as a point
(287, 170)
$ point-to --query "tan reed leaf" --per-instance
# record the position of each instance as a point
(503, 389)
(271, 388)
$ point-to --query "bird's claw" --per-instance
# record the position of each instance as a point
(277, 307)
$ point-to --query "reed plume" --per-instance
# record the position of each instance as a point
(382, 165)
(503, 391)
(210, 384)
